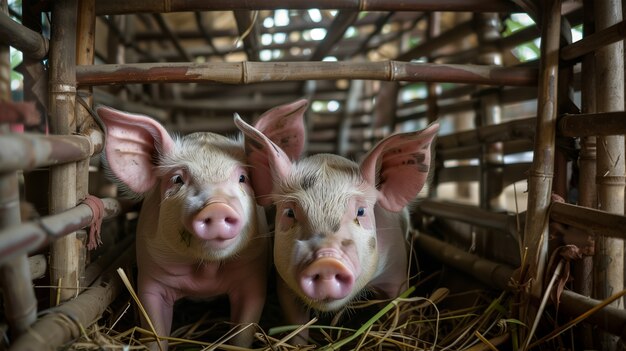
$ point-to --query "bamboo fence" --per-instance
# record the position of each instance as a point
(482, 88)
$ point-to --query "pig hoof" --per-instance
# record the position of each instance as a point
(326, 279)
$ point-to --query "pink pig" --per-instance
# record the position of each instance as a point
(200, 233)
(341, 227)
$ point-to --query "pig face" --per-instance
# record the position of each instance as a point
(206, 198)
(202, 181)
(326, 245)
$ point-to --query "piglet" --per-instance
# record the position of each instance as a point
(341, 226)
(200, 233)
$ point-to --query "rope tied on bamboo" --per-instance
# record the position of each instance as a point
(97, 207)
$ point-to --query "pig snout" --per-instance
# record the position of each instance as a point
(326, 278)
(217, 222)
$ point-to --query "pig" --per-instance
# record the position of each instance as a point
(341, 227)
(200, 233)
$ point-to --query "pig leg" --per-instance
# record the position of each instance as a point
(246, 303)
(295, 312)
(160, 308)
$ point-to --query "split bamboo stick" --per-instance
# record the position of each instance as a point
(64, 254)
(535, 239)
(254, 72)
(610, 166)
(30, 236)
(30, 43)
(112, 7)
(69, 320)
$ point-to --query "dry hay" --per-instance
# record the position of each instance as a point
(406, 323)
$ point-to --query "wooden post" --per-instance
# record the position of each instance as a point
(609, 69)
(86, 28)
(65, 252)
(541, 173)
(19, 297)
(583, 269)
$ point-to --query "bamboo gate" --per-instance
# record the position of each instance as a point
(589, 136)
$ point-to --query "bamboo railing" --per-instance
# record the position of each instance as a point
(68, 155)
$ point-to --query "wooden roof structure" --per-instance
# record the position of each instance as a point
(369, 68)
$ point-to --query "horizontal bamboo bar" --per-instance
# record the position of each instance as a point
(97, 267)
(609, 318)
(493, 274)
(254, 72)
(468, 214)
(594, 41)
(116, 7)
(68, 321)
(30, 151)
(593, 124)
(472, 151)
(600, 222)
(516, 129)
(513, 172)
(30, 236)
(32, 44)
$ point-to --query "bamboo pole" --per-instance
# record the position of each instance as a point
(609, 255)
(512, 173)
(468, 214)
(600, 222)
(437, 41)
(30, 151)
(594, 41)
(64, 254)
(535, 240)
(593, 124)
(67, 321)
(497, 275)
(470, 152)
(30, 43)
(31, 236)
(85, 52)
(20, 303)
(112, 7)
(587, 192)
(254, 72)
(513, 130)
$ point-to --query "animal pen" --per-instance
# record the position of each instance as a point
(519, 236)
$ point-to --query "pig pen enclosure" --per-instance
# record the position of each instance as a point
(518, 240)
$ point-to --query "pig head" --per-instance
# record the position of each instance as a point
(341, 226)
(200, 232)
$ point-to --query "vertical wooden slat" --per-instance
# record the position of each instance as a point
(432, 108)
(85, 48)
(535, 241)
(65, 252)
(583, 269)
(19, 297)
(609, 255)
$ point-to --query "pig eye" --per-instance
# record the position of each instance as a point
(242, 178)
(177, 179)
(289, 212)
(360, 212)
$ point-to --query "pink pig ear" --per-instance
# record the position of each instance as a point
(268, 161)
(133, 143)
(398, 166)
(284, 125)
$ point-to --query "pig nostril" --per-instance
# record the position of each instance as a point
(230, 220)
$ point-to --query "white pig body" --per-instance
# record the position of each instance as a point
(341, 227)
(200, 232)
